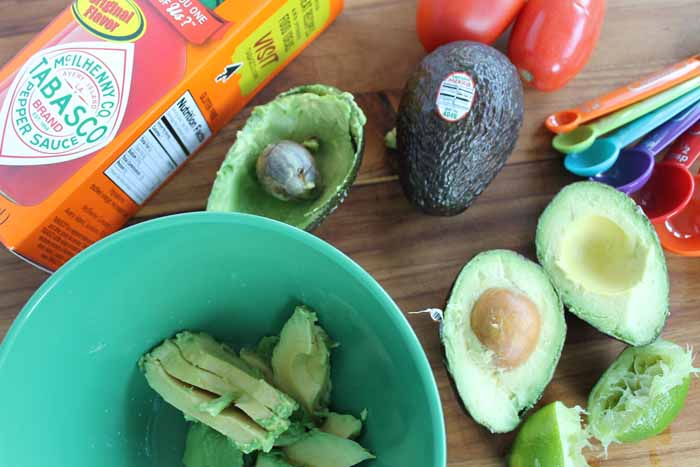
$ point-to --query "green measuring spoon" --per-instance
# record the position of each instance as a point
(584, 136)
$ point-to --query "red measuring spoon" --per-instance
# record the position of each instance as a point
(681, 233)
(671, 186)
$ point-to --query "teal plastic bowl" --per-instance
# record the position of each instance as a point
(70, 390)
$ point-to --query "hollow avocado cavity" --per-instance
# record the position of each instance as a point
(598, 254)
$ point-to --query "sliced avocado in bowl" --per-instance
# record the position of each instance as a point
(272, 459)
(295, 159)
(230, 392)
(604, 257)
(231, 422)
(211, 356)
(343, 425)
(206, 447)
(301, 362)
(319, 449)
(260, 358)
(503, 332)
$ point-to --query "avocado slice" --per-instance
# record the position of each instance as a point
(206, 447)
(202, 351)
(345, 426)
(260, 358)
(604, 257)
(309, 113)
(297, 430)
(459, 120)
(169, 356)
(503, 333)
(319, 449)
(301, 361)
(272, 459)
(231, 422)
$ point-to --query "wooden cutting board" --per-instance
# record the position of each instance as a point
(371, 51)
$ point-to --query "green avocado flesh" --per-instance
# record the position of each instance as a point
(208, 448)
(495, 394)
(260, 358)
(269, 401)
(641, 394)
(551, 437)
(345, 426)
(297, 430)
(272, 460)
(459, 120)
(301, 361)
(242, 395)
(604, 257)
(320, 449)
(233, 423)
(320, 113)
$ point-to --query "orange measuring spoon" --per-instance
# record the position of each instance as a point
(568, 120)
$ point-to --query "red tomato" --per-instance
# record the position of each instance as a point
(553, 39)
(443, 21)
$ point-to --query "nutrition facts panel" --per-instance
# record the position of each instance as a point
(160, 150)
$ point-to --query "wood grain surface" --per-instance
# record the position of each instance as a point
(371, 51)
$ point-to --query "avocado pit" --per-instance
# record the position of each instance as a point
(287, 171)
(507, 323)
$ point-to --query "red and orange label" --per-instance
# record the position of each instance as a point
(115, 96)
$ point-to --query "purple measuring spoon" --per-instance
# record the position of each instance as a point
(633, 168)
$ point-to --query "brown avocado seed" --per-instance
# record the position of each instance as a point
(287, 171)
(507, 323)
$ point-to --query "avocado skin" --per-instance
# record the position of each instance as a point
(445, 166)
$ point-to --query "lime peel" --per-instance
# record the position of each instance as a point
(574, 437)
(641, 393)
(551, 437)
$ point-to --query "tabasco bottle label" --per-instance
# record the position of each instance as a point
(66, 102)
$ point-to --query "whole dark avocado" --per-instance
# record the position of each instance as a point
(459, 120)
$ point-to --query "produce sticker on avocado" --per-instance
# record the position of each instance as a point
(455, 96)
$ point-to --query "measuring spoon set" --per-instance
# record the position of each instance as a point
(659, 111)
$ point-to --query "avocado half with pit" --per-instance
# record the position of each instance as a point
(604, 257)
(295, 159)
(503, 332)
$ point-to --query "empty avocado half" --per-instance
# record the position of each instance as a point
(503, 332)
(604, 257)
(295, 159)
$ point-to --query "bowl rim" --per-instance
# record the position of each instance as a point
(128, 234)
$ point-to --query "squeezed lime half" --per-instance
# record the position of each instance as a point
(551, 437)
(641, 394)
